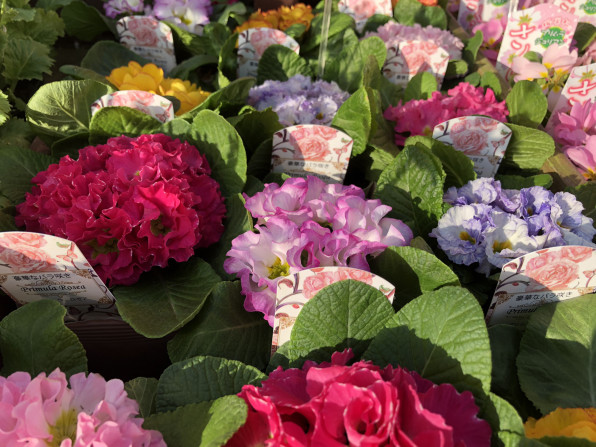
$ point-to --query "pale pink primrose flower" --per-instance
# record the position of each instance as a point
(584, 157)
(574, 127)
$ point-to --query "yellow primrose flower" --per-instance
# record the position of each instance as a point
(290, 15)
(260, 19)
(135, 77)
(187, 93)
(570, 422)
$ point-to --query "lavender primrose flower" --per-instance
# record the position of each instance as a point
(299, 100)
(114, 8)
(188, 14)
(307, 223)
(508, 239)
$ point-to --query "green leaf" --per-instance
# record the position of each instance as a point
(235, 92)
(374, 22)
(558, 354)
(527, 104)
(17, 167)
(441, 335)
(458, 167)
(586, 194)
(280, 63)
(227, 63)
(224, 329)
(347, 67)
(346, 314)
(259, 164)
(520, 181)
(255, 127)
(52, 4)
(166, 299)
(506, 424)
(7, 222)
(63, 108)
(16, 133)
(339, 22)
(208, 424)
(528, 148)
(421, 86)
(115, 121)
(201, 379)
(413, 186)
(34, 339)
(83, 73)
(473, 79)
(191, 42)
(354, 118)
(236, 222)
(24, 58)
(232, 11)
(143, 389)
(70, 145)
(45, 27)
(471, 48)
(4, 108)
(85, 22)
(223, 147)
(412, 272)
(585, 33)
(491, 80)
(456, 69)
(184, 69)
(296, 31)
(410, 12)
(120, 56)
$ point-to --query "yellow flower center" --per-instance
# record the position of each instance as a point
(65, 428)
(110, 246)
(499, 246)
(465, 236)
(278, 269)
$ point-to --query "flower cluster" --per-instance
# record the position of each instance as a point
(45, 411)
(129, 204)
(392, 33)
(150, 78)
(419, 117)
(114, 8)
(281, 18)
(362, 404)
(188, 14)
(303, 224)
(551, 73)
(490, 226)
(575, 131)
(568, 422)
(299, 100)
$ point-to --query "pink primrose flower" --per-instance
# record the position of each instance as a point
(584, 157)
(575, 127)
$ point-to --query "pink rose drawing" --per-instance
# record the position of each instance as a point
(486, 124)
(26, 259)
(577, 253)
(313, 284)
(548, 275)
(469, 141)
(310, 145)
(263, 38)
(145, 31)
(363, 9)
(33, 240)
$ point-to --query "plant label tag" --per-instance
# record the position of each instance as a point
(544, 276)
(361, 10)
(295, 290)
(37, 266)
(413, 57)
(150, 38)
(584, 9)
(484, 140)
(153, 105)
(534, 29)
(253, 42)
(311, 149)
(494, 9)
(579, 88)
(469, 14)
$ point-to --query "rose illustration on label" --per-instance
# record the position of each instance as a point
(550, 36)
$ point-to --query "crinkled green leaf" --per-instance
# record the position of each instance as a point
(207, 424)
(223, 147)
(255, 127)
(115, 121)
(16, 133)
(95, 59)
(24, 58)
(201, 379)
(441, 335)
(63, 108)
(421, 86)
(143, 389)
(34, 339)
(84, 21)
(528, 148)
(280, 63)
(412, 272)
(224, 329)
(409, 12)
(166, 299)
(354, 118)
(527, 104)
(413, 186)
(45, 27)
(17, 167)
(558, 353)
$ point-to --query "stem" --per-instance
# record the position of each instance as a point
(324, 38)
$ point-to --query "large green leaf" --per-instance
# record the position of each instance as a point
(201, 379)
(17, 168)
(528, 148)
(142, 389)
(508, 430)
(421, 86)
(224, 329)
(166, 299)
(347, 67)
(339, 23)
(24, 58)
(208, 424)
(354, 118)
(85, 22)
(220, 143)
(413, 186)
(34, 339)
(410, 12)
(280, 63)
(586, 194)
(412, 272)
(527, 104)
(255, 127)
(442, 336)
(7, 222)
(95, 59)
(558, 353)
(346, 314)
(116, 121)
(235, 92)
(63, 108)
(45, 28)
